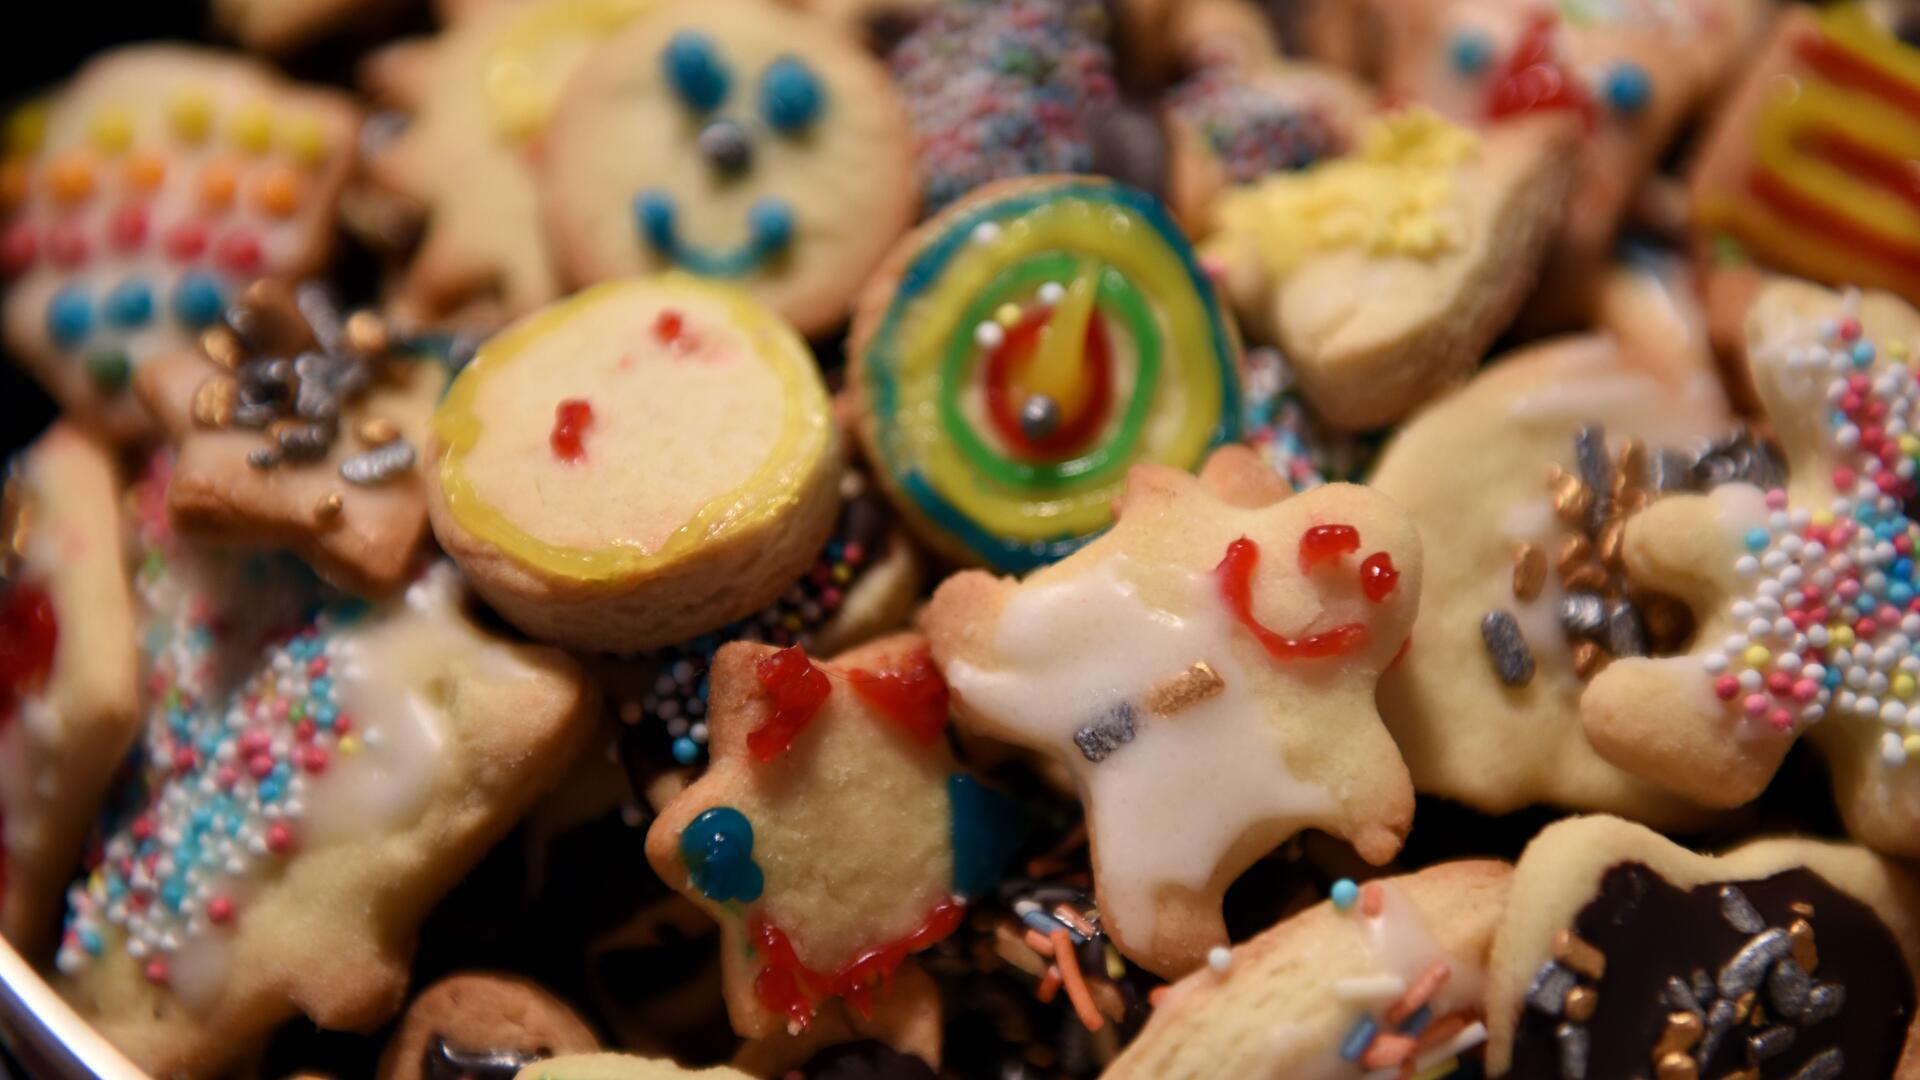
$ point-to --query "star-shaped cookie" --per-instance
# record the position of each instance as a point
(833, 834)
(1205, 671)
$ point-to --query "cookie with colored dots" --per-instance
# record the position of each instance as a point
(1381, 976)
(297, 427)
(69, 692)
(1518, 470)
(162, 181)
(1022, 350)
(832, 836)
(478, 97)
(1801, 587)
(716, 139)
(482, 1025)
(1385, 274)
(1624, 954)
(303, 816)
(1184, 670)
(635, 465)
(622, 1067)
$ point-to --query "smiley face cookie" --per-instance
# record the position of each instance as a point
(1521, 600)
(1023, 349)
(69, 692)
(832, 836)
(1803, 592)
(579, 474)
(1623, 954)
(1385, 274)
(480, 1025)
(717, 139)
(1382, 976)
(1176, 667)
(142, 198)
(301, 819)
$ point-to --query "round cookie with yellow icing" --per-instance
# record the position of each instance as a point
(738, 140)
(1024, 348)
(637, 464)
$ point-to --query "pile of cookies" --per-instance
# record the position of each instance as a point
(625, 539)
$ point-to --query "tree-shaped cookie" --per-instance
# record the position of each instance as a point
(1205, 671)
(833, 835)
(1804, 596)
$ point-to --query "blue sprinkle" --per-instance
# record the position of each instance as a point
(791, 96)
(1903, 568)
(1757, 539)
(1862, 353)
(322, 687)
(130, 304)
(685, 750)
(1345, 894)
(69, 316)
(692, 65)
(1627, 87)
(1359, 1037)
(1470, 51)
(1833, 677)
(90, 941)
(172, 893)
(196, 299)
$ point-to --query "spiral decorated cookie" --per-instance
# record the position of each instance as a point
(717, 138)
(635, 465)
(1022, 350)
(478, 97)
(69, 692)
(833, 836)
(1184, 670)
(1385, 274)
(1623, 954)
(142, 197)
(482, 1025)
(296, 817)
(1383, 976)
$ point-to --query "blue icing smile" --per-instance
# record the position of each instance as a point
(718, 850)
(769, 234)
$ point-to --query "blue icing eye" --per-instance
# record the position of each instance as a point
(987, 826)
(791, 95)
(69, 316)
(1627, 87)
(693, 66)
(718, 850)
(1470, 52)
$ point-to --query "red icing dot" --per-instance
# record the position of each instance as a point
(667, 327)
(571, 419)
(1378, 576)
(127, 226)
(1532, 79)
(1324, 542)
(915, 696)
(239, 253)
(67, 244)
(798, 690)
(186, 241)
(1236, 588)
(18, 248)
(29, 631)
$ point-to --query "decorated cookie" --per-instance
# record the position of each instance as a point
(299, 428)
(69, 693)
(1020, 351)
(635, 465)
(1385, 274)
(718, 139)
(283, 26)
(1175, 669)
(832, 836)
(1529, 472)
(142, 197)
(1809, 182)
(297, 815)
(1802, 592)
(1389, 975)
(478, 97)
(482, 1025)
(1005, 88)
(621, 1067)
(1623, 954)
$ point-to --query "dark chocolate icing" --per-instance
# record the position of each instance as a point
(445, 1061)
(1664, 946)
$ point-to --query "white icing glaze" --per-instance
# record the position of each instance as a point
(1588, 383)
(1164, 808)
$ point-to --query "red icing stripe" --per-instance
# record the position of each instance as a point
(1840, 65)
(1899, 175)
(1817, 217)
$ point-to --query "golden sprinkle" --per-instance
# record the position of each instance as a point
(1580, 1003)
(328, 507)
(1743, 1007)
(1682, 1031)
(1571, 499)
(1185, 690)
(1577, 953)
(222, 346)
(1633, 501)
(1676, 1067)
(1804, 951)
(1529, 572)
(377, 431)
(1609, 547)
(1801, 908)
(213, 402)
(1573, 551)
(367, 333)
(1633, 461)
(1589, 575)
(1588, 658)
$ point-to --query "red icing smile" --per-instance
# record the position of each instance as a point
(1236, 587)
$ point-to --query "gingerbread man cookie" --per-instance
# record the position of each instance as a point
(832, 836)
(1024, 348)
(577, 476)
(1176, 667)
(1803, 593)
(300, 820)
(69, 689)
(1528, 472)
(150, 190)
(1623, 954)
(1381, 976)
(716, 138)
(296, 427)
(1385, 274)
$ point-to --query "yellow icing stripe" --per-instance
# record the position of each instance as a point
(519, 99)
(1851, 26)
(805, 432)
(1866, 120)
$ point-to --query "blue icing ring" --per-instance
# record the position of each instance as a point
(717, 847)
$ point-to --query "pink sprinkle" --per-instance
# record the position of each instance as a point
(1756, 705)
(279, 837)
(1849, 328)
(260, 765)
(316, 667)
(315, 760)
(219, 909)
(1805, 689)
(1780, 720)
(1776, 499)
(183, 758)
(1727, 687)
(1844, 478)
(304, 731)
(253, 741)
(1865, 628)
(227, 776)
(1779, 683)
(343, 725)
(157, 972)
(142, 827)
(1848, 589)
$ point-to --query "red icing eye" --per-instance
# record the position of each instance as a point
(1324, 542)
(798, 690)
(1378, 577)
(915, 696)
(571, 419)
